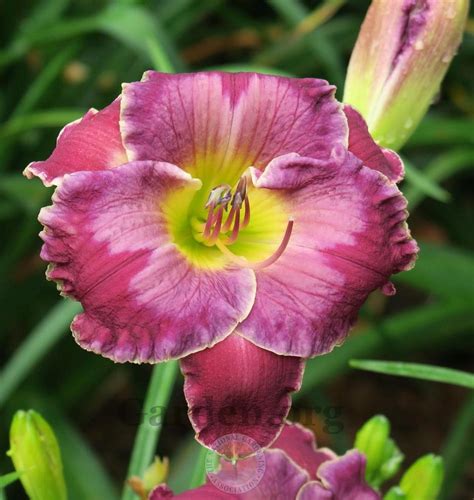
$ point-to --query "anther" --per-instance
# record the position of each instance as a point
(218, 201)
(220, 195)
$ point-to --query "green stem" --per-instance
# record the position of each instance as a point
(199, 472)
(157, 397)
(164, 374)
(38, 343)
(459, 447)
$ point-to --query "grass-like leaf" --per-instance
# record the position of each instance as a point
(9, 478)
(431, 324)
(426, 185)
(416, 370)
(442, 167)
(36, 346)
(39, 119)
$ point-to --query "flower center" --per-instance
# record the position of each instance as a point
(243, 225)
(224, 222)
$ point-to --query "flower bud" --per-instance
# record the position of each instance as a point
(383, 456)
(400, 58)
(35, 453)
(156, 473)
(424, 478)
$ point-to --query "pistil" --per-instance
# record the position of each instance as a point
(243, 262)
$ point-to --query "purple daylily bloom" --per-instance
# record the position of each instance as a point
(294, 469)
(234, 221)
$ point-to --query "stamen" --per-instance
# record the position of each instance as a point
(228, 222)
(217, 202)
(235, 230)
(243, 262)
(246, 220)
(209, 221)
(217, 227)
(241, 188)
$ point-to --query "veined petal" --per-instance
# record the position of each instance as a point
(90, 143)
(282, 479)
(237, 387)
(365, 148)
(107, 241)
(349, 236)
(218, 124)
(341, 478)
(204, 492)
(313, 490)
(300, 445)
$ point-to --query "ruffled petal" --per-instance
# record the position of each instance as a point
(237, 387)
(228, 122)
(366, 149)
(300, 445)
(107, 240)
(349, 236)
(281, 479)
(205, 492)
(313, 490)
(342, 478)
(90, 143)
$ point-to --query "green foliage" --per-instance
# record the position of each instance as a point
(9, 478)
(416, 370)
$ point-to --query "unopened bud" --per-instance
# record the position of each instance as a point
(35, 453)
(400, 58)
(423, 479)
(383, 456)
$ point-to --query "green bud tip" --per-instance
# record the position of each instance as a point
(400, 58)
(424, 478)
(35, 453)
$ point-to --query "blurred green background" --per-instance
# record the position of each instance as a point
(57, 59)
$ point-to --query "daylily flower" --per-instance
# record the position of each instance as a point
(294, 469)
(234, 221)
(400, 58)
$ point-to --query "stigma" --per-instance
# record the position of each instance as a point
(228, 214)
